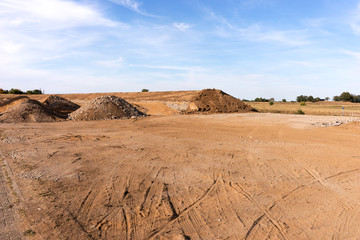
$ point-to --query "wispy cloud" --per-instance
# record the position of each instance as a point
(181, 26)
(355, 20)
(259, 33)
(354, 54)
(134, 6)
(49, 14)
(117, 63)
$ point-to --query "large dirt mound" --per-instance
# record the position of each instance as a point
(60, 106)
(217, 101)
(7, 103)
(27, 110)
(105, 108)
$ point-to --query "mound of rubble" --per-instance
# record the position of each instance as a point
(26, 110)
(60, 106)
(106, 108)
(217, 101)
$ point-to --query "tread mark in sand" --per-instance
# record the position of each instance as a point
(268, 215)
(253, 225)
(186, 210)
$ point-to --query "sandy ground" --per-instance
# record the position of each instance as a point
(225, 176)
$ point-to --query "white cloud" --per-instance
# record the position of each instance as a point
(259, 33)
(117, 63)
(355, 20)
(49, 14)
(10, 47)
(134, 6)
(181, 26)
(354, 54)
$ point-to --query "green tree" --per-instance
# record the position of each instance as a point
(15, 91)
(346, 97)
(2, 91)
(301, 98)
(36, 91)
(145, 90)
(284, 100)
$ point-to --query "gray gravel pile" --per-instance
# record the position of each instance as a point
(106, 108)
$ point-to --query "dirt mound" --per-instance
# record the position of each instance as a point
(217, 101)
(7, 103)
(26, 110)
(105, 108)
(60, 106)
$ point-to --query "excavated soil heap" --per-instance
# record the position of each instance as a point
(7, 103)
(105, 108)
(60, 106)
(27, 110)
(217, 101)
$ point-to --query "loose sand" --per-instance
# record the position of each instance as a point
(224, 176)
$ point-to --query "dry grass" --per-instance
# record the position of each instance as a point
(319, 108)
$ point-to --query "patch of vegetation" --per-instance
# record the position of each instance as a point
(261, 100)
(145, 90)
(271, 103)
(18, 91)
(303, 104)
(304, 98)
(300, 112)
(347, 97)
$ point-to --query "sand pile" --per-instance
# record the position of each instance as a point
(60, 106)
(217, 101)
(26, 110)
(105, 108)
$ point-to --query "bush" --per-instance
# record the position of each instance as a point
(2, 91)
(145, 90)
(271, 103)
(347, 97)
(300, 112)
(261, 100)
(36, 91)
(284, 100)
(15, 91)
(303, 104)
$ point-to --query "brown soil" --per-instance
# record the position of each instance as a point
(105, 108)
(25, 110)
(7, 103)
(60, 106)
(223, 176)
(217, 101)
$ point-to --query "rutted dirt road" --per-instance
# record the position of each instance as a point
(226, 176)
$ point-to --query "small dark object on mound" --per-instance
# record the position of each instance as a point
(27, 110)
(217, 101)
(106, 108)
(60, 106)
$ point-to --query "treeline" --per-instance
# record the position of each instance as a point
(18, 91)
(347, 97)
(304, 98)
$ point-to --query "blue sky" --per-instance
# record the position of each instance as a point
(248, 48)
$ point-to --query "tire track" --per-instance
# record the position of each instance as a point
(267, 213)
(186, 210)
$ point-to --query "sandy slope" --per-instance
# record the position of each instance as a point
(225, 176)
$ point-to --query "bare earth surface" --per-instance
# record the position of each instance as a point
(223, 176)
